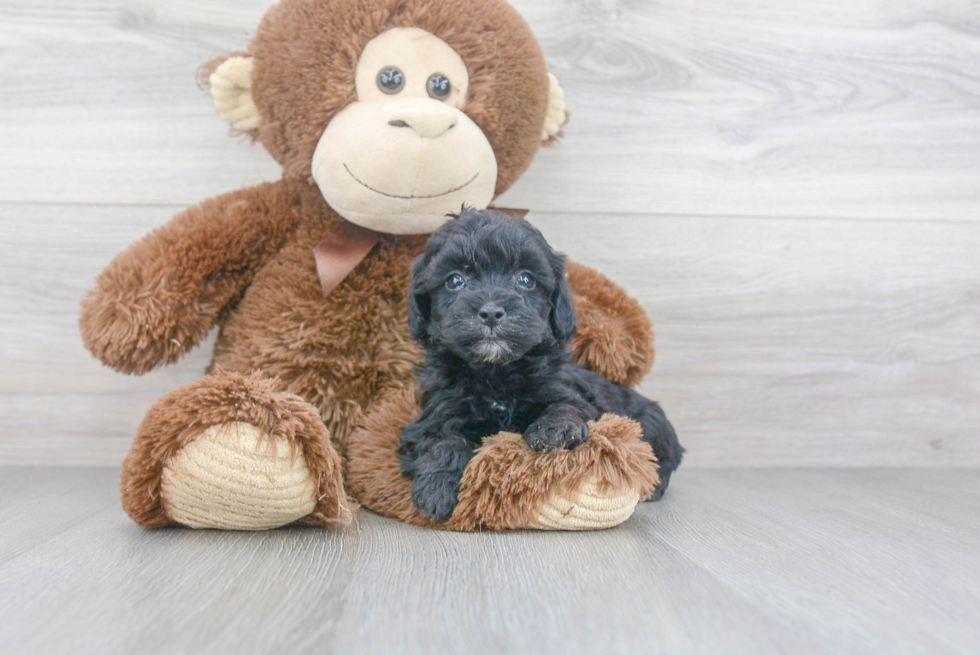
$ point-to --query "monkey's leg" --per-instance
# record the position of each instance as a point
(234, 452)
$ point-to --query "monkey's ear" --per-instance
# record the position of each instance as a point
(556, 116)
(563, 320)
(231, 91)
(419, 303)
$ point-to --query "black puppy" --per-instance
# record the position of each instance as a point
(490, 304)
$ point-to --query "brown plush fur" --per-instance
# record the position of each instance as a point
(622, 350)
(506, 481)
(339, 354)
(244, 262)
(161, 296)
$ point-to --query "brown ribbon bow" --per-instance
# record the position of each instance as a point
(344, 248)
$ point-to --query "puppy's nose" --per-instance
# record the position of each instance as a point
(492, 314)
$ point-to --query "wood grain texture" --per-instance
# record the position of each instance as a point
(781, 342)
(803, 561)
(678, 107)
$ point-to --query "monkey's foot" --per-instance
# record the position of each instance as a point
(507, 485)
(233, 452)
(590, 508)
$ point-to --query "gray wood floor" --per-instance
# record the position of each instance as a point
(739, 561)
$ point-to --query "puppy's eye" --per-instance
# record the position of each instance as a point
(438, 86)
(390, 80)
(525, 281)
(455, 282)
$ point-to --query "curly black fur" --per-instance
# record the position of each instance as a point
(490, 303)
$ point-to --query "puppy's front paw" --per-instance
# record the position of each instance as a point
(549, 434)
(435, 495)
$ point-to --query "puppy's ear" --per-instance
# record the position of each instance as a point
(563, 319)
(419, 303)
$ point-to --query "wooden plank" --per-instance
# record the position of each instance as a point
(38, 505)
(770, 561)
(839, 554)
(679, 107)
(781, 342)
(84, 85)
(58, 404)
(766, 108)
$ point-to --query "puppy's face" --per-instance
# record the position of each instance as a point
(489, 289)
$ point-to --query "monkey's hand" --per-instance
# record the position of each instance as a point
(615, 335)
(161, 296)
(134, 327)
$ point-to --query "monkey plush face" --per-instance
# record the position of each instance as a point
(404, 154)
(401, 111)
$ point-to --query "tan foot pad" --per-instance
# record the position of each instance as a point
(592, 509)
(235, 477)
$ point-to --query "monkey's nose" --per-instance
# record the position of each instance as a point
(429, 118)
(492, 314)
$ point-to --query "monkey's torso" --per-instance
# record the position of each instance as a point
(343, 352)
(340, 352)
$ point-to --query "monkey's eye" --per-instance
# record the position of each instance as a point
(438, 86)
(525, 281)
(455, 282)
(390, 80)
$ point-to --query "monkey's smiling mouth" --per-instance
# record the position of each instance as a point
(392, 195)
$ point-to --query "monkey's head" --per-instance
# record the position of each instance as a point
(401, 111)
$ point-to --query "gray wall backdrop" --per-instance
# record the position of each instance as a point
(792, 189)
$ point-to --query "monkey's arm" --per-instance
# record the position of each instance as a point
(615, 335)
(162, 295)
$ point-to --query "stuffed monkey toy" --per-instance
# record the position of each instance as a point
(386, 115)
